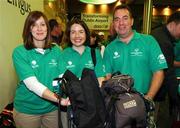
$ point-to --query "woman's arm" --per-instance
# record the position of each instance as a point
(35, 86)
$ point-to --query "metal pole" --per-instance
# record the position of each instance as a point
(147, 16)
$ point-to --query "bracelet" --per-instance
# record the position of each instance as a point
(149, 98)
(57, 97)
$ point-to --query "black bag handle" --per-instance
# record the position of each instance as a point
(59, 103)
(93, 55)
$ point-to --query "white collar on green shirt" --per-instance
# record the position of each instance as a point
(40, 50)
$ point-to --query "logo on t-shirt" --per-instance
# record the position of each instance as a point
(53, 63)
(89, 64)
(161, 59)
(136, 52)
(116, 55)
(70, 64)
(34, 64)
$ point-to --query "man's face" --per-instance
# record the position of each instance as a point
(122, 22)
(176, 30)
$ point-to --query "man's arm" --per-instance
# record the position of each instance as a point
(156, 83)
(108, 76)
(177, 64)
(100, 80)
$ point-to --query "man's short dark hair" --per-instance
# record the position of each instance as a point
(53, 23)
(175, 17)
(123, 6)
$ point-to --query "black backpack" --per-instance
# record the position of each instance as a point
(87, 103)
(125, 106)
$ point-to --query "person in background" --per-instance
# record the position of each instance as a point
(57, 37)
(102, 38)
(37, 62)
(112, 33)
(111, 36)
(135, 54)
(176, 111)
(177, 62)
(56, 31)
(95, 42)
(166, 36)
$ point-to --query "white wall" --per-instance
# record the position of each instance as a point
(11, 25)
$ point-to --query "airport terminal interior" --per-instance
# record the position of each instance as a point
(161, 9)
(97, 14)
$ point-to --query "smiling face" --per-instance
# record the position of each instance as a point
(39, 30)
(123, 22)
(77, 35)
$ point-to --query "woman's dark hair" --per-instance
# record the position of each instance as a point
(68, 30)
(27, 35)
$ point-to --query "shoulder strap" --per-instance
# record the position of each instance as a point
(93, 55)
(110, 115)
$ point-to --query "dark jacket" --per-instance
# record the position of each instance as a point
(170, 83)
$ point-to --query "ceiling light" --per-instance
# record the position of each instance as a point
(98, 1)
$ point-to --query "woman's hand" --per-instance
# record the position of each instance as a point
(65, 101)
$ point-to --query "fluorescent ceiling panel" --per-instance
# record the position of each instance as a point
(98, 1)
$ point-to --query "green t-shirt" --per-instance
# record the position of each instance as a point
(76, 62)
(177, 57)
(45, 67)
(139, 58)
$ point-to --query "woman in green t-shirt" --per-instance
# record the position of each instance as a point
(77, 55)
(37, 62)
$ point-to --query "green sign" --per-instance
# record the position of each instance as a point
(97, 21)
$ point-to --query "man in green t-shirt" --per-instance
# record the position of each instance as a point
(135, 54)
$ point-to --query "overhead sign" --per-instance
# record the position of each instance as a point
(97, 21)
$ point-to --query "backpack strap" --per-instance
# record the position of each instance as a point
(110, 115)
(59, 104)
(93, 55)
